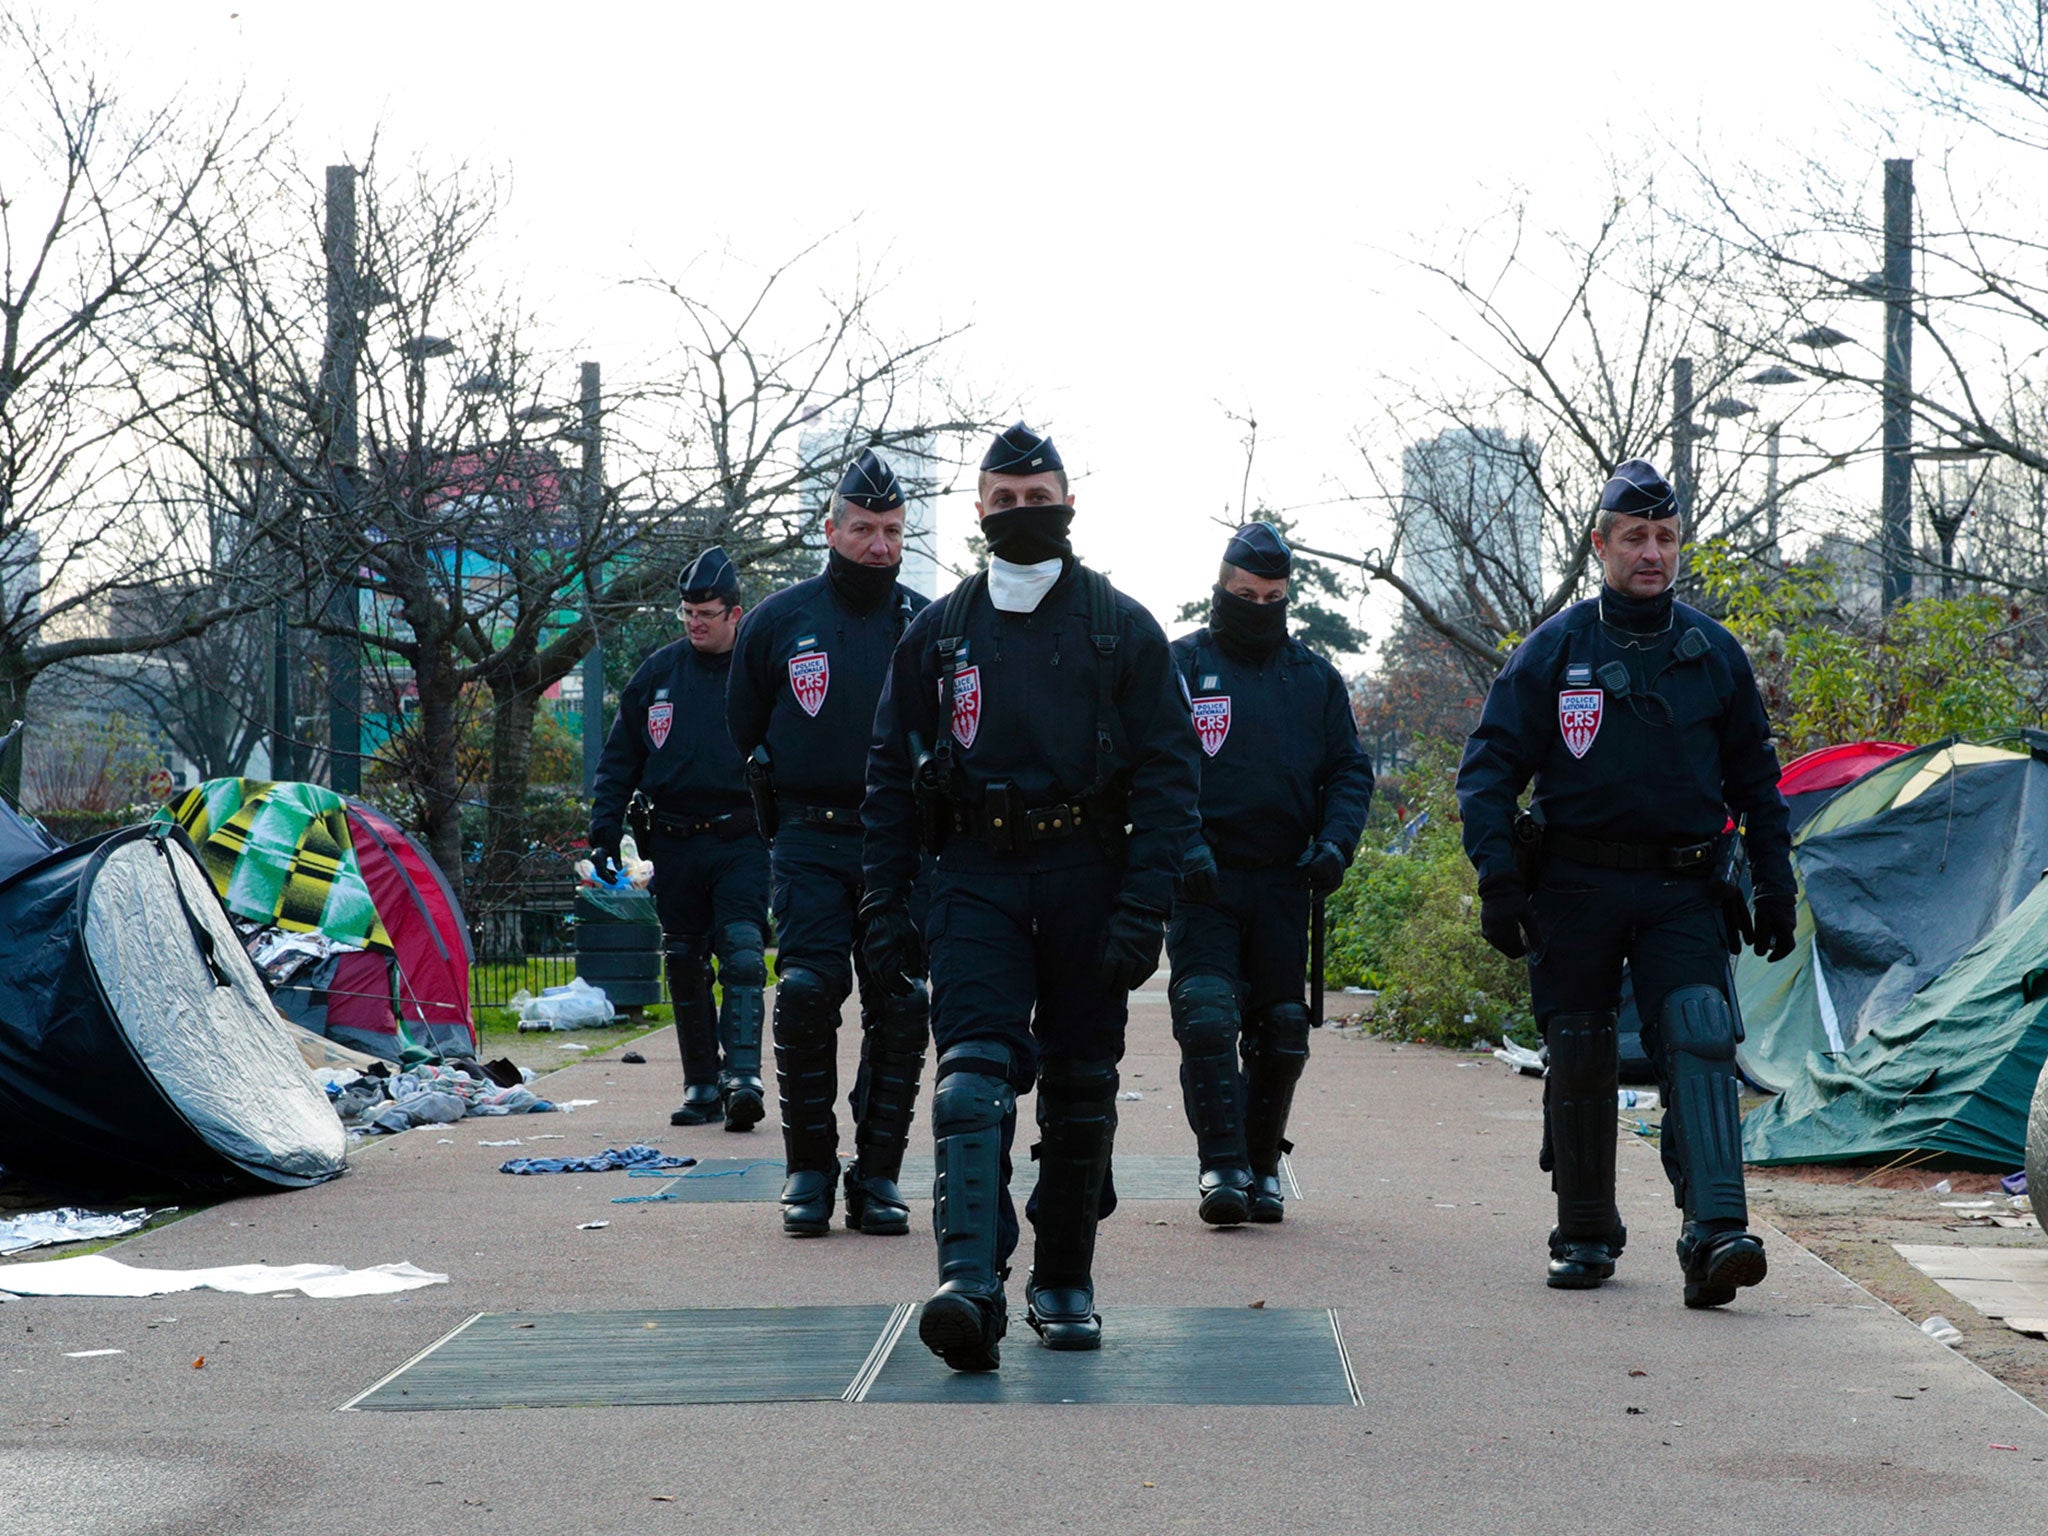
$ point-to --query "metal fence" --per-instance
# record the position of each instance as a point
(524, 938)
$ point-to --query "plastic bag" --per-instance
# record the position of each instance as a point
(576, 1005)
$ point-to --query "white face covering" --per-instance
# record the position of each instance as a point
(1020, 588)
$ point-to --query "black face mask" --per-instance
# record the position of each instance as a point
(1639, 615)
(863, 588)
(1256, 629)
(1029, 535)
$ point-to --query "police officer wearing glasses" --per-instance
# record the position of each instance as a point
(1637, 720)
(1033, 732)
(670, 742)
(801, 703)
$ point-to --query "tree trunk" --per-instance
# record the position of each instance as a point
(14, 686)
(436, 774)
(515, 695)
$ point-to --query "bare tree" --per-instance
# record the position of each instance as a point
(97, 223)
(1571, 342)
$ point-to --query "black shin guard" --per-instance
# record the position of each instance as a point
(1703, 1117)
(1273, 1068)
(742, 973)
(1206, 1026)
(884, 1103)
(974, 1111)
(696, 1036)
(1076, 1135)
(1579, 1095)
(806, 1074)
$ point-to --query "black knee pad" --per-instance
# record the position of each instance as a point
(974, 1093)
(1286, 1029)
(689, 968)
(991, 1058)
(1697, 1022)
(1065, 1083)
(1205, 1018)
(740, 962)
(1583, 1050)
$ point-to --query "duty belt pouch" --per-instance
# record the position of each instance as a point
(999, 816)
(1526, 836)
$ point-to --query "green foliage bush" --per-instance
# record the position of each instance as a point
(1406, 925)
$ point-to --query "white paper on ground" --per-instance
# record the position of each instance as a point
(95, 1274)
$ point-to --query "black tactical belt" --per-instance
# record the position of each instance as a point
(831, 818)
(1045, 824)
(731, 824)
(1687, 858)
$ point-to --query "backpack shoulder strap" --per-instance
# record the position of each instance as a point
(1104, 634)
(952, 633)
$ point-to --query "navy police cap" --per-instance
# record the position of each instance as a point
(1258, 550)
(869, 482)
(711, 575)
(1021, 451)
(1638, 490)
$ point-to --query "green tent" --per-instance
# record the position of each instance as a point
(1910, 1016)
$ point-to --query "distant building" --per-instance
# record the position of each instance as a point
(1471, 521)
(21, 581)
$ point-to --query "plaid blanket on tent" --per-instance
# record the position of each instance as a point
(281, 853)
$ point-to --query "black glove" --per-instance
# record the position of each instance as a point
(1198, 873)
(1777, 926)
(1131, 943)
(1735, 917)
(890, 938)
(1503, 908)
(1323, 865)
(604, 859)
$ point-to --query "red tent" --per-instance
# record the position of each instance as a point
(429, 939)
(1808, 780)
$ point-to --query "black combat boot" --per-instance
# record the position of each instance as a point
(697, 1038)
(973, 1113)
(1272, 1069)
(1579, 1097)
(1205, 1022)
(884, 1100)
(806, 1073)
(1077, 1131)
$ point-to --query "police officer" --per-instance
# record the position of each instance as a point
(801, 702)
(1032, 728)
(1637, 719)
(1285, 790)
(710, 866)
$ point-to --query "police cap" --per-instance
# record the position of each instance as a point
(1020, 451)
(711, 575)
(1638, 490)
(869, 482)
(1258, 550)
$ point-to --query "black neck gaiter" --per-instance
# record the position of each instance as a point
(1255, 630)
(863, 588)
(1637, 615)
(1029, 535)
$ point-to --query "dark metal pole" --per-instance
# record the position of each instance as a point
(1681, 438)
(593, 578)
(1897, 504)
(281, 765)
(344, 318)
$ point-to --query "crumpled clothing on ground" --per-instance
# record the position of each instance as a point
(429, 1094)
(610, 1160)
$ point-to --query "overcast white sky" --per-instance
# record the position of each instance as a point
(1148, 214)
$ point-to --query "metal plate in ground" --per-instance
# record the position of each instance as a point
(1165, 1355)
(1139, 1176)
(639, 1359)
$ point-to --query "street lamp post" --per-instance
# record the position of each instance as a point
(592, 492)
(1898, 381)
(338, 379)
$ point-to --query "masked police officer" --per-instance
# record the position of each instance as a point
(1638, 720)
(710, 866)
(1285, 790)
(801, 702)
(1031, 728)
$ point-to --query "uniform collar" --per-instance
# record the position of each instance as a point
(1636, 615)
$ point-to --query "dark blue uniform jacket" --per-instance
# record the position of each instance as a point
(806, 673)
(670, 741)
(1031, 679)
(1275, 735)
(1611, 767)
